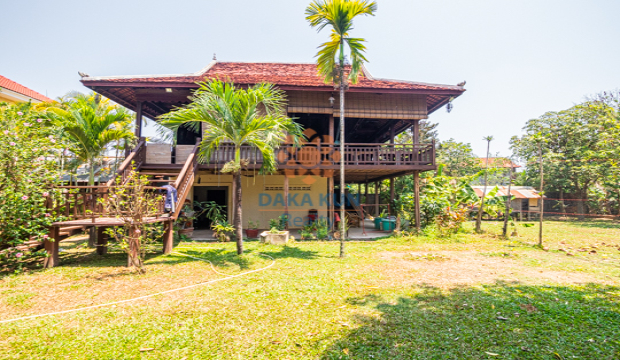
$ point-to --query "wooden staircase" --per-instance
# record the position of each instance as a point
(82, 208)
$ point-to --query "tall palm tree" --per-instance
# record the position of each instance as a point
(254, 116)
(89, 125)
(488, 139)
(339, 14)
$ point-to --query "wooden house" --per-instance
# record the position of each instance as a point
(376, 111)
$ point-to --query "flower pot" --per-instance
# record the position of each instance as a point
(377, 223)
(251, 233)
(388, 224)
(280, 238)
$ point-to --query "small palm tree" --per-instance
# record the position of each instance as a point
(254, 116)
(90, 124)
(339, 14)
(488, 139)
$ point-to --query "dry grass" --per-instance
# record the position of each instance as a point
(419, 297)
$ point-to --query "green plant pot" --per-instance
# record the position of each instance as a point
(388, 225)
(377, 223)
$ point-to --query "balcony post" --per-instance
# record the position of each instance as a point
(377, 198)
(330, 200)
(365, 193)
(416, 191)
(392, 212)
(139, 119)
(286, 186)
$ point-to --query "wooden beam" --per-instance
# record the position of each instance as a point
(168, 236)
(102, 241)
(392, 212)
(416, 132)
(51, 247)
(366, 192)
(377, 198)
(286, 188)
(139, 119)
(392, 134)
(330, 200)
(331, 129)
(416, 191)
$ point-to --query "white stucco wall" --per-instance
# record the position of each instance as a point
(262, 199)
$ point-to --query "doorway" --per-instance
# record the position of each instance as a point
(218, 194)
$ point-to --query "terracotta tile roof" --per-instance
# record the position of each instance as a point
(13, 86)
(281, 74)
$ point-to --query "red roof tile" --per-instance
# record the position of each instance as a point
(18, 88)
(281, 74)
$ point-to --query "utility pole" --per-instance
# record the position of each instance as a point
(508, 201)
(540, 229)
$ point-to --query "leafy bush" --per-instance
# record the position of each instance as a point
(28, 170)
(443, 200)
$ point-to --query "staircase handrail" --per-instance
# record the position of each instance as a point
(185, 179)
(126, 164)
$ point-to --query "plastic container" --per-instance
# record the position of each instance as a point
(377, 223)
(388, 224)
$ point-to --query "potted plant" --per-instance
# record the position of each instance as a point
(308, 232)
(275, 236)
(186, 221)
(223, 231)
(252, 230)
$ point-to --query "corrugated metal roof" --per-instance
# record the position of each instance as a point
(519, 192)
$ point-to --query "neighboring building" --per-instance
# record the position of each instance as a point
(499, 162)
(525, 203)
(376, 111)
(12, 92)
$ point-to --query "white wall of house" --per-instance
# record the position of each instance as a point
(263, 197)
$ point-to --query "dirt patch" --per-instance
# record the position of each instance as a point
(447, 269)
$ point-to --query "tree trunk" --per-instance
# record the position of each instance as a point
(133, 256)
(580, 207)
(484, 192)
(562, 207)
(508, 203)
(343, 219)
(238, 223)
(92, 233)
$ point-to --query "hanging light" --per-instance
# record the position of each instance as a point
(331, 100)
(449, 105)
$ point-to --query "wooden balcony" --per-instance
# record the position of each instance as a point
(363, 162)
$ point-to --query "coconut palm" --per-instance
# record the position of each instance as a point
(235, 116)
(339, 14)
(90, 124)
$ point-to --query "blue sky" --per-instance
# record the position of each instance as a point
(520, 58)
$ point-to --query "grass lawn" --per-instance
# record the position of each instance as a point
(466, 297)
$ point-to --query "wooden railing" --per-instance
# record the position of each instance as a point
(185, 180)
(329, 155)
(137, 157)
(87, 202)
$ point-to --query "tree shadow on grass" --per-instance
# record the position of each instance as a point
(502, 321)
(291, 252)
(599, 224)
